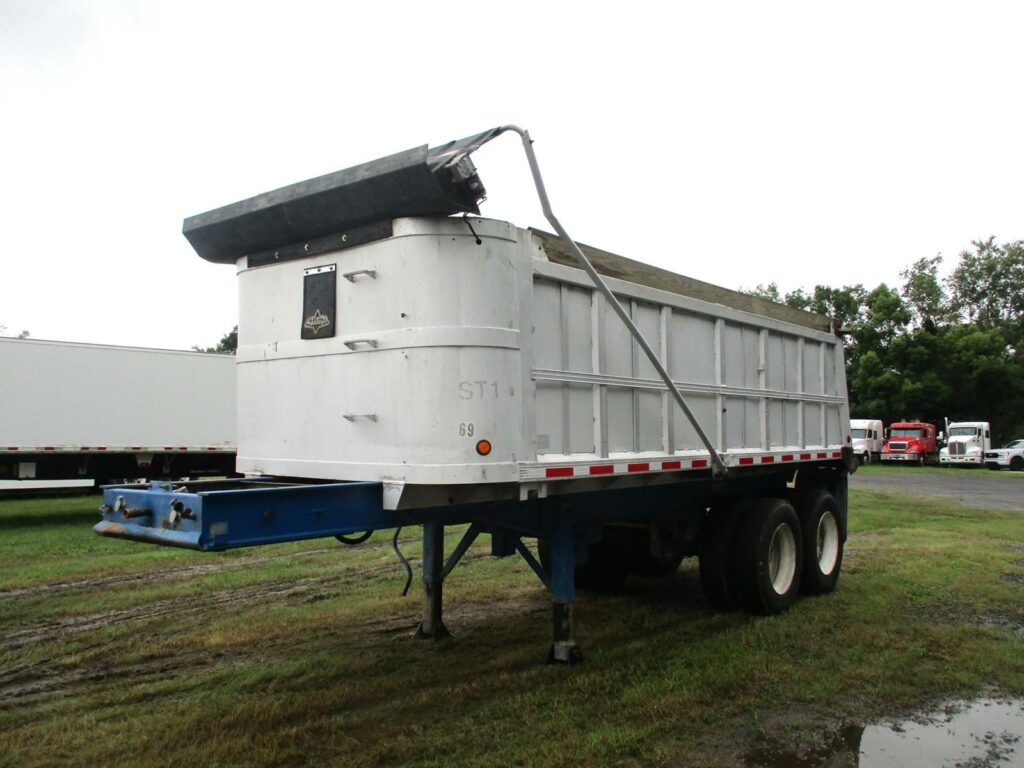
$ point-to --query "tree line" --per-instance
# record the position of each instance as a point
(228, 344)
(933, 347)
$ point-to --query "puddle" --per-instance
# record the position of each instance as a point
(980, 734)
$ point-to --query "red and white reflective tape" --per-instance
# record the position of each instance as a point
(605, 468)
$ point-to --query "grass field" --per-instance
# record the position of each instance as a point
(115, 653)
(933, 469)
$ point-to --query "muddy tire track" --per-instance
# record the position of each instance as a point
(27, 685)
(65, 628)
(180, 572)
(35, 682)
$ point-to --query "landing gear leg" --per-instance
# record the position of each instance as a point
(432, 627)
(564, 649)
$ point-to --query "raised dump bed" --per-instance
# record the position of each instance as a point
(467, 370)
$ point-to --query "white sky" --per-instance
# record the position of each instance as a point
(736, 142)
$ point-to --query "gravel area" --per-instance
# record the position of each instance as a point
(992, 490)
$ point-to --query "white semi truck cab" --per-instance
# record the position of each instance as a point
(868, 435)
(967, 442)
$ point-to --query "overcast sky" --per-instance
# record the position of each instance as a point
(739, 143)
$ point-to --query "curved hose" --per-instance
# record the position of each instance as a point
(408, 568)
(353, 540)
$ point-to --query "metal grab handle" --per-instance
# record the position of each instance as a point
(353, 416)
(352, 344)
(351, 276)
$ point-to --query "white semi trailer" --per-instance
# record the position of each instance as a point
(74, 413)
(401, 367)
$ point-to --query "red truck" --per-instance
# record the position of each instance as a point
(911, 441)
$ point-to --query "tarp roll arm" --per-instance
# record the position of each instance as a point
(469, 145)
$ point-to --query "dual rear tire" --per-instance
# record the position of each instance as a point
(760, 554)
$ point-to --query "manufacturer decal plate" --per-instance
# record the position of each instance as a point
(319, 299)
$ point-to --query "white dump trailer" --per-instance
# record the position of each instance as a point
(398, 366)
(72, 412)
(468, 358)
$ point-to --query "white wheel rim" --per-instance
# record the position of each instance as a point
(782, 559)
(828, 543)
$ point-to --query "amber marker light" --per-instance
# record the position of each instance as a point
(483, 447)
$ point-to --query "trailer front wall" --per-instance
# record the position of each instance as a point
(420, 362)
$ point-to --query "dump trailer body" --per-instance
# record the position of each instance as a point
(399, 367)
(393, 359)
(71, 410)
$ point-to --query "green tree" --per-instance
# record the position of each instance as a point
(846, 305)
(885, 316)
(987, 286)
(924, 294)
(227, 344)
(934, 348)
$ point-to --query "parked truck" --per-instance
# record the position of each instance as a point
(868, 437)
(966, 443)
(400, 366)
(914, 442)
(73, 414)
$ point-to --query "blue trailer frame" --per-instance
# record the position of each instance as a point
(214, 516)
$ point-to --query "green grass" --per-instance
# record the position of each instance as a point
(118, 653)
(931, 469)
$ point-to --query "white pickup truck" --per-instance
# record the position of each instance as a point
(1010, 455)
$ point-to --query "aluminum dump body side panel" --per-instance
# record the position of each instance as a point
(754, 383)
(441, 341)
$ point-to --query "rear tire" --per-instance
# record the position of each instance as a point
(822, 542)
(769, 557)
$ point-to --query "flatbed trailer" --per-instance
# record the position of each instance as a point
(399, 367)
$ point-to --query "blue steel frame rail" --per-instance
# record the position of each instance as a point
(254, 513)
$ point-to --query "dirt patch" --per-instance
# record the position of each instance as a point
(464, 613)
(181, 572)
(31, 683)
(38, 681)
(63, 629)
(961, 613)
